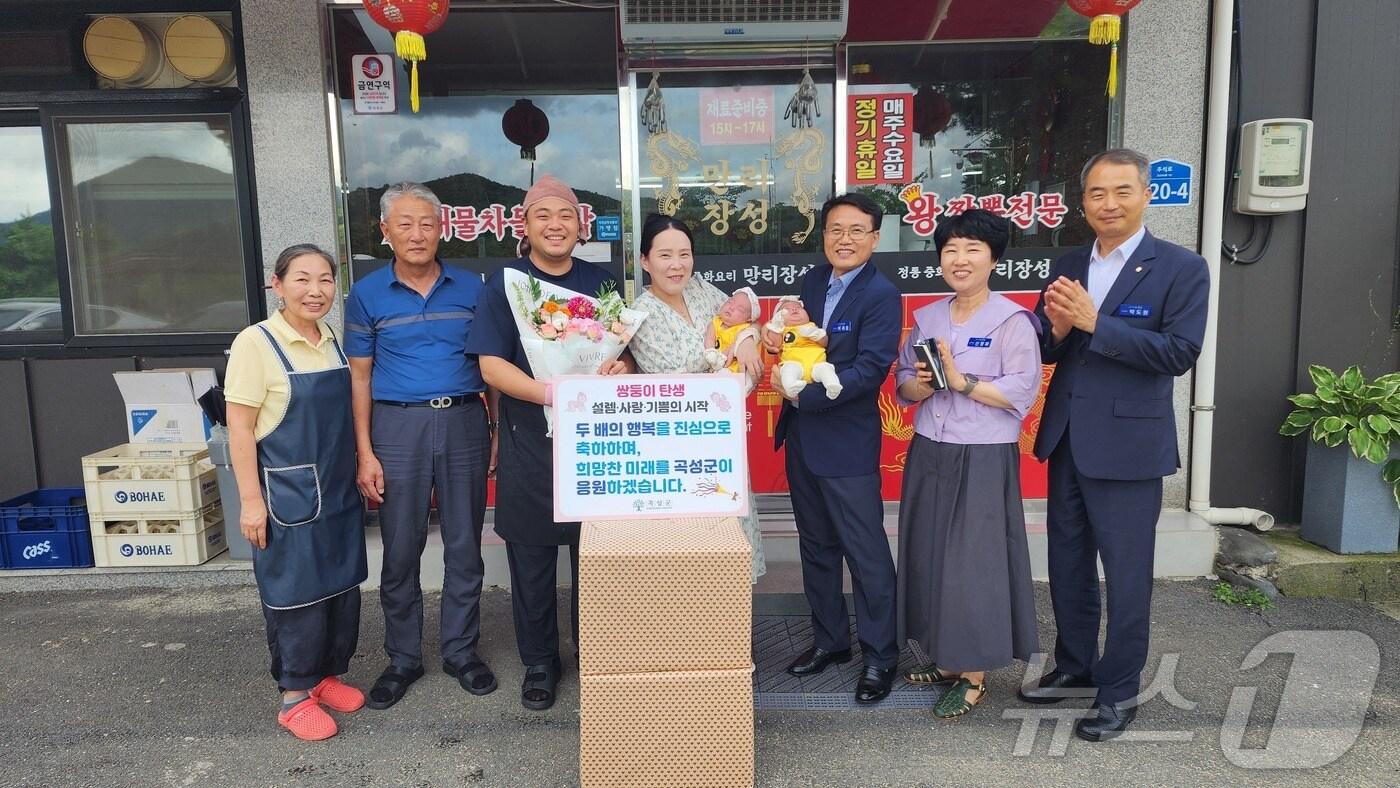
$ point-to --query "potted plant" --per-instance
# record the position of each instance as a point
(1347, 506)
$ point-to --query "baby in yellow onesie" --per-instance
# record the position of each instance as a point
(732, 324)
(804, 350)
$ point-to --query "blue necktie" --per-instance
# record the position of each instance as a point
(833, 295)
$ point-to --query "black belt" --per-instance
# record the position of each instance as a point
(440, 403)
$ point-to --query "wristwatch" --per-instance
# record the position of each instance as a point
(971, 383)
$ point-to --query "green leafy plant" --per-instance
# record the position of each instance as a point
(1245, 597)
(1347, 408)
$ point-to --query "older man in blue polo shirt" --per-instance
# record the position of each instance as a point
(421, 425)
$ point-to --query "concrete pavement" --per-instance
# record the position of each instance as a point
(169, 688)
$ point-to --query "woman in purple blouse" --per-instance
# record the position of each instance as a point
(966, 601)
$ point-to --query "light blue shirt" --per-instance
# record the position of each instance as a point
(845, 279)
(1104, 271)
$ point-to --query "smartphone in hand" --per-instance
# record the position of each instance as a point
(927, 352)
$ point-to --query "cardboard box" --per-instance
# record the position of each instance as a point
(162, 406)
(664, 595)
(692, 729)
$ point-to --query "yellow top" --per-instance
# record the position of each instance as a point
(254, 376)
(726, 336)
(802, 350)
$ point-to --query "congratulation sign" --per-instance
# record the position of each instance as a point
(880, 144)
(639, 446)
(373, 80)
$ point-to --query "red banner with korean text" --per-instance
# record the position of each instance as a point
(880, 139)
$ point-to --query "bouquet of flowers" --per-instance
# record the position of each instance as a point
(569, 333)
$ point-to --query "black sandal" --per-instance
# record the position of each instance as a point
(475, 676)
(390, 687)
(541, 681)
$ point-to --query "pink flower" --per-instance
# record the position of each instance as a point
(581, 307)
(547, 331)
(616, 328)
(595, 332)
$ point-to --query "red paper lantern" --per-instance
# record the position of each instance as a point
(409, 21)
(525, 125)
(1106, 27)
(932, 111)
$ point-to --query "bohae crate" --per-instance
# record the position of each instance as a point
(167, 539)
(45, 529)
(147, 479)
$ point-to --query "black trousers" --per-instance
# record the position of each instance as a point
(534, 599)
(1116, 522)
(310, 643)
(842, 517)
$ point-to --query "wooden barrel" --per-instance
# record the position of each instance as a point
(199, 50)
(122, 50)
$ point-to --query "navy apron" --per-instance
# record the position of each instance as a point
(315, 516)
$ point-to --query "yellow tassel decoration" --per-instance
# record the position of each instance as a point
(1108, 29)
(409, 46)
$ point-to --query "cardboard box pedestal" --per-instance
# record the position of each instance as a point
(666, 671)
(664, 595)
(692, 729)
(162, 406)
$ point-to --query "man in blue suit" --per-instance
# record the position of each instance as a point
(833, 451)
(1121, 319)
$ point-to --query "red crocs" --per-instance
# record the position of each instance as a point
(337, 695)
(308, 721)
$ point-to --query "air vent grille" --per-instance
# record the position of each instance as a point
(641, 12)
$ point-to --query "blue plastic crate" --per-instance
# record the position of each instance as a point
(46, 529)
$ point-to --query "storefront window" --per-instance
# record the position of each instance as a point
(934, 130)
(154, 236)
(493, 81)
(28, 277)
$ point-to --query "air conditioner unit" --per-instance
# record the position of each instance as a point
(705, 21)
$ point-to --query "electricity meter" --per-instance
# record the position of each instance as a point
(1275, 156)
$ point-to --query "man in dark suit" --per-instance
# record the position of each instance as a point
(1121, 319)
(833, 451)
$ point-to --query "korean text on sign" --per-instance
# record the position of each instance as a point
(650, 446)
(880, 141)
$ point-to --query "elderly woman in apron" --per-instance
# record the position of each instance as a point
(293, 450)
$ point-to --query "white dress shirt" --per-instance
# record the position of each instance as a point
(1104, 271)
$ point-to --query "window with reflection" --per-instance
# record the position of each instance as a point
(28, 276)
(937, 129)
(154, 236)
(505, 98)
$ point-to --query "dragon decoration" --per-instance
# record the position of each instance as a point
(671, 154)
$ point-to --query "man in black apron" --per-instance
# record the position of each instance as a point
(524, 479)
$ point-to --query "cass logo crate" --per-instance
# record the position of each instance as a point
(45, 529)
(143, 479)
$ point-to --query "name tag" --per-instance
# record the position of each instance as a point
(842, 327)
(1133, 310)
(979, 341)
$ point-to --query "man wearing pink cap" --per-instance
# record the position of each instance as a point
(524, 478)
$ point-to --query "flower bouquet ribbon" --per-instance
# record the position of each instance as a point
(568, 333)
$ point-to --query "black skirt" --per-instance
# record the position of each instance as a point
(525, 478)
(964, 584)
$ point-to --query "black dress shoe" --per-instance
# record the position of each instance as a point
(874, 685)
(1054, 687)
(814, 660)
(1110, 721)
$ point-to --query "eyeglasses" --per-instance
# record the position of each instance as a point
(856, 234)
